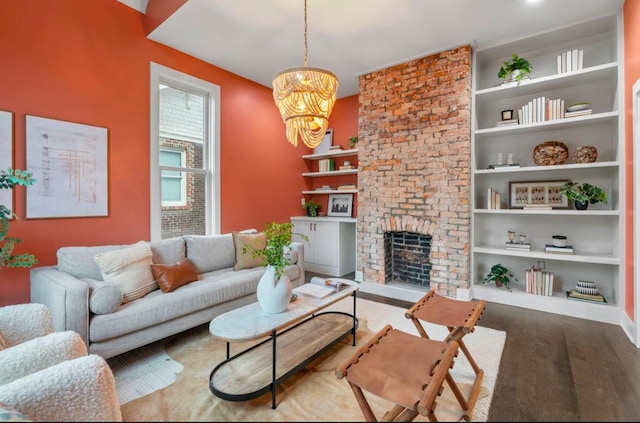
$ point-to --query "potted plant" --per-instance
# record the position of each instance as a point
(583, 194)
(500, 275)
(515, 69)
(311, 207)
(8, 180)
(353, 142)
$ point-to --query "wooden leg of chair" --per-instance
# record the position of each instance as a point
(398, 410)
(467, 354)
(363, 403)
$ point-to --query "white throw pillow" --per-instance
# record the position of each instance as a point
(130, 269)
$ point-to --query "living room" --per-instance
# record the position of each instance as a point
(88, 62)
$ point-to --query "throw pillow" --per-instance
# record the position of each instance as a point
(104, 297)
(172, 276)
(247, 260)
(129, 268)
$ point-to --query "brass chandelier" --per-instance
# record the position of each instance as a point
(305, 98)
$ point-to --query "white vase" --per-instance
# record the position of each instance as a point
(274, 296)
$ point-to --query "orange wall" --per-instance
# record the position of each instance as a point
(631, 74)
(88, 62)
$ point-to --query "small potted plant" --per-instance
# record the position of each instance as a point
(583, 194)
(353, 142)
(500, 275)
(515, 69)
(9, 179)
(311, 207)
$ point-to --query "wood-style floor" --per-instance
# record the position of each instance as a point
(556, 368)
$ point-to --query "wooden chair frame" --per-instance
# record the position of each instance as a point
(460, 317)
(404, 369)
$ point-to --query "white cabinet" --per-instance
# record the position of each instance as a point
(597, 233)
(331, 249)
(341, 177)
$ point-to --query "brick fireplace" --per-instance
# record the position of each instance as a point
(414, 165)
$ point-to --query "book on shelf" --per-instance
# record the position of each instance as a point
(578, 113)
(539, 282)
(507, 122)
(575, 295)
(500, 166)
(515, 246)
(345, 167)
(320, 287)
(550, 248)
(335, 147)
(494, 199)
(347, 187)
(537, 207)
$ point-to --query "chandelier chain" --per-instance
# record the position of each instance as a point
(305, 32)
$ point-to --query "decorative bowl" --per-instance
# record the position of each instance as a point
(559, 241)
(585, 154)
(550, 153)
(578, 107)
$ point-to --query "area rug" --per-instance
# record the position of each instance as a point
(314, 394)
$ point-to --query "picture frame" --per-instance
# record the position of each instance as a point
(69, 161)
(6, 154)
(537, 194)
(326, 143)
(340, 205)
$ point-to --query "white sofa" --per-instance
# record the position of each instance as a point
(81, 301)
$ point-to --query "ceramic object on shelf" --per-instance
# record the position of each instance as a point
(578, 107)
(559, 240)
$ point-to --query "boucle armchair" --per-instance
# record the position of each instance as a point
(48, 376)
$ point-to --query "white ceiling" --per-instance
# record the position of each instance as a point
(258, 38)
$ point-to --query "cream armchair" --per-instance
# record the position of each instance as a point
(48, 376)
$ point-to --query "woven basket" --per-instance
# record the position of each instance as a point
(585, 154)
(550, 153)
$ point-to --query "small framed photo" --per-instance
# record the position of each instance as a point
(340, 205)
(537, 194)
(326, 143)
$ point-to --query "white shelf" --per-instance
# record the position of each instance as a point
(566, 123)
(332, 153)
(331, 173)
(533, 254)
(331, 191)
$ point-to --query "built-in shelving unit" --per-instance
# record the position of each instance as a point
(315, 173)
(597, 233)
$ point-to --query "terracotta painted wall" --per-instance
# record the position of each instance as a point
(631, 75)
(88, 62)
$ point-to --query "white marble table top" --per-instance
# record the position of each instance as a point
(251, 322)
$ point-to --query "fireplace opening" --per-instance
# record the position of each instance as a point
(406, 258)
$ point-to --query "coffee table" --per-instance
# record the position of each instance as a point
(285, 343)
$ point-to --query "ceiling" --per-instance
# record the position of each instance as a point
(258, 38)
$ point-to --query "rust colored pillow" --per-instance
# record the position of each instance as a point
(172, 276)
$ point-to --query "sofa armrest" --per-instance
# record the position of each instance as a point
(22, 322)
(66, 296)
(298, 247)
(39, 353)
(80, 390)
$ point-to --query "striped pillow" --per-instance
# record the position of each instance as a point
(130, 269)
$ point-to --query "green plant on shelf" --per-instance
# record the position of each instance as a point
(583, 193)
(500, 275)
(515, 69)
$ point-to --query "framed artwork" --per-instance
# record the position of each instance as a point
(69, 161)
(540, 194)
(326, 143)
(6, 154)
(340, 205)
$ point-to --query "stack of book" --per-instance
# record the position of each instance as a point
(335, 147)
(494, 199)
(345, 167)
(550, 248)
(539, 282)
(577, 113)
(507, 122)
(519, 246)
(347, 187)
(506, 165)
(586, 291)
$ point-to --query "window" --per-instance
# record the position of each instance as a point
(184, 155)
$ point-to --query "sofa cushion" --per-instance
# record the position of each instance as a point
(167, 251)
(104, 297)
(210, 252)
(172, 276)
(130, 268)
(79, 262)
(246, 260)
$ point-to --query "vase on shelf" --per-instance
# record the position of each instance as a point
(581, 205)
(274, 295)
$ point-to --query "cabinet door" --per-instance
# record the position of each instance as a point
(305, 227)
(325, 243)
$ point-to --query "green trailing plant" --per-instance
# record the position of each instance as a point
(9, 179)
(353, 142)
(500, 275)
(583, 193)
(276, 251)
(516, 63)
(311, 207)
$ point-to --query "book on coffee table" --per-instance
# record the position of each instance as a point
(321, 287)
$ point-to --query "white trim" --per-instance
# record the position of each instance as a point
(636, 207)
(212, 123)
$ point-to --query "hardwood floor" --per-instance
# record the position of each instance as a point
(559, 368)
